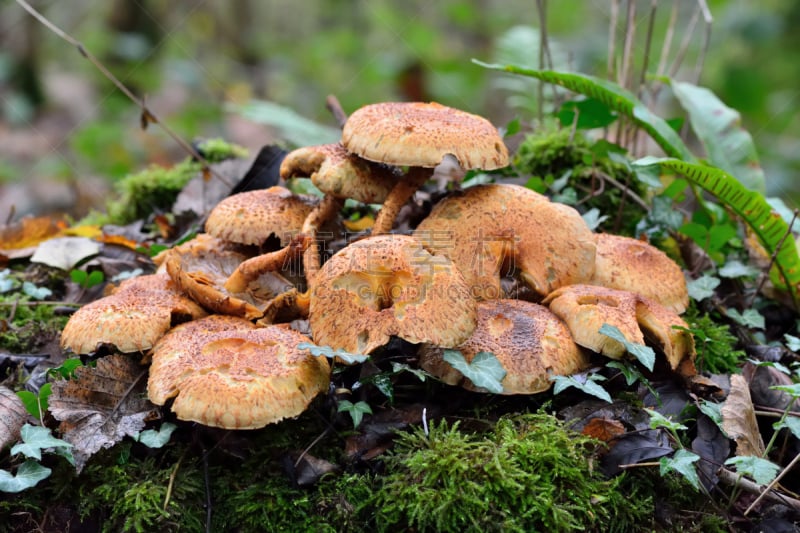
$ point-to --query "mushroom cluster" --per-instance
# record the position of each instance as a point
(494, 268)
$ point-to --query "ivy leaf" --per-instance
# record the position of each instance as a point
(644, 354)
(761, 470)
(37, 293)
(28, 475)
(793, 390)
(702, 287)
(484, 371)
(712, 411)
(330, 353)
(35, 439)
(657, 420)
(792, 423)
(156, 438)
(593, 218)
(6, 283)
(792, 342)
(402, 367)
(588, 386)
(682, 462)
(736, 269)
(749, 318)
(356, 410)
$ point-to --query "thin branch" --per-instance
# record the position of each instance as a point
(667, 45)
(736, 480)
(612, 39)
(540, 86)
(708, 20)
(147, 115)
(333, 105)
(684, 47)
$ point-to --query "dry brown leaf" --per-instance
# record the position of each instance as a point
(20, 239)
(739, 419)
(12, 416)
(604, 429)
(101, 405)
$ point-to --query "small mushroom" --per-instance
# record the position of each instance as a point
(419, 135)
(633, 265)
(201, 266)
(138, 313)
(389, 285)
(530, 342)
(251, 217)
(585, 308)
(226, 372)
(490, 231)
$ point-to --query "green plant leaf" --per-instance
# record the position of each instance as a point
(6, 282)
(749, 318)
(37, 293)
(792, 342)
(736, 269)
(767, 224)
(644, 354)
(28, 475)
(156, 438)
(792, 390)
(792, 423)
(591, 113)
(484, 370)
(35, 439)
(67, 368)
(330, 353)
(357, 410)
(682, 462)
(615, 97)
(34, 403)
(761, 470)
(657, 420)
(712, 411)
(295, 128)
(727, 145)
(588, 386)
(702, 287)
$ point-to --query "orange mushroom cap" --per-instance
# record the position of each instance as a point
(420, 135)
(132, 318)
(389, 285)
(530, 342)
(225, 372)
(633, 265)
(487, 229)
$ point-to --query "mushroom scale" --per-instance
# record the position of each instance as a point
(489, 229)
(389, 285)
(226, 372)
(530, 342)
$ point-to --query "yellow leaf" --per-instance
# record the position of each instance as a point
(361, 224)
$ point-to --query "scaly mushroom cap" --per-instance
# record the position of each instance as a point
(251, 217)
(489, 229)
(201, 266)
(132, 318)
(389, 285)
(339, 173)
(420, 134)
(633, 265)
(530, 342)
(585, 308)
(225, 372)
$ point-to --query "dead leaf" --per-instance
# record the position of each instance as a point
(604, 429)
(12, 416)
(762, 379)
(713, 446)
(364, 223)
(739, 419)
(20, 239)
(65, 252)
(305, 470)
(101, 405)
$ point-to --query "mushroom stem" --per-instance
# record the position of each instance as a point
(324, 211)
(251, 269)
(398, 196)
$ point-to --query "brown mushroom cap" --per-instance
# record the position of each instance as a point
(225, 372)
(585, 308)
(201, 267)
(633, 265)
(420, 134)
(251, 217)
(530, 342)
(337, 172)
(389, 285)
(487, 229)
(132, 318)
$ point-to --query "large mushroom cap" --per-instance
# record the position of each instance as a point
(491, 230)
(585, 308)
(339, 173)
(201, 266)
(530, 342)
(389, 285)
(633, 265)
(225, 372)
(251, 217)
(132, 319)
(420, 135)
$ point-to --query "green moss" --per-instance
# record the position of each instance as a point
(716, 345)
(528, 474)
(27, 328)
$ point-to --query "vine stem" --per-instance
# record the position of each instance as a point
(147, 116)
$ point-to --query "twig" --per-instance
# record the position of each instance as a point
(540, 85)
(172, 480)
(736, 480)
(333, 105)
(708, 19)
(625, 189)
(147, 115)
(684, 47)
(772, 483)
(645, 62)
(667, 45)
(207, 481)
(612, 39)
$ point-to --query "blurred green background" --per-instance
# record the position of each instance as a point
(197, 62)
